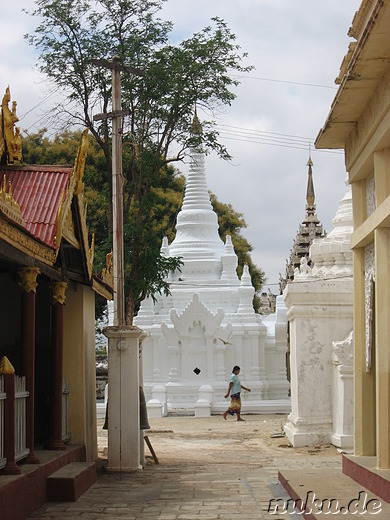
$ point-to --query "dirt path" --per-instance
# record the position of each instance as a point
(212, 439)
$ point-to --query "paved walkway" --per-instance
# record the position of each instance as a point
(209, 469)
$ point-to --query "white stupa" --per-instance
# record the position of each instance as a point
(208, 324)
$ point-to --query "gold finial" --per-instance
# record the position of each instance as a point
(196, 127)
(310, 196)
(8, 204)
(107, 272)
(79, 164)
(6, 366)
(11, 140)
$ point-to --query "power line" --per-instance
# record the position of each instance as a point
(285, 81)
(280, 144)
(264, 132)
(46, 98)
(239, 133)
(268, 137)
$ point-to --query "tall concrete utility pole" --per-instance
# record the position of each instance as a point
(117, 179)
(124, 436)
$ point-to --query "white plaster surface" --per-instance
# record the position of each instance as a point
(123, 399)
(208, 324)
(320, 312)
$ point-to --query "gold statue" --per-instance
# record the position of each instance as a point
(79, 164)
(13, 143)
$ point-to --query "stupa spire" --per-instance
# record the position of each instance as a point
(310, 195)
(196, 127)
(309, 229)
(197, 237)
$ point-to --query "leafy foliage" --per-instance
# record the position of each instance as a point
(166, 197)
(158, 130)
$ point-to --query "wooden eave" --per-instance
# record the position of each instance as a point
(102, 288)
(363, 71)
(22, 240)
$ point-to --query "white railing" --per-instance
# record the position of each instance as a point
(65, 393)
(21, 394)
(3, 460)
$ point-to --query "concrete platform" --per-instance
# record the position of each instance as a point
(71, 481)
(364, 471)
(31, 484)
(328, 491)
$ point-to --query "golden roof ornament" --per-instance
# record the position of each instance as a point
(10, 138)
(79, 164)
(6, 366)
(75, 187)
(8, 205)
(310, 196)
(108, 271)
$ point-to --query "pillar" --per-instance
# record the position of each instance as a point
(382, 319)
(254, 342)
(55, 441)
(382, 333)
(28, 285)
(123, 398)
(364, 383)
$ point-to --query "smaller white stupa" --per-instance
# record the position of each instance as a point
(320, 311)
(208, 324)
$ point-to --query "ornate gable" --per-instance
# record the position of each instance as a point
(65, 220)
(8, 205)
(196, 311)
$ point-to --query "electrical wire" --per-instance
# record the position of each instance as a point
(315, 85)
(259, 141)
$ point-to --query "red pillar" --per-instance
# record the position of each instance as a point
(55, 441)
(8, 372)
(28, 285)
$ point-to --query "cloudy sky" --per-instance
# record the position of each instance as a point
(296, 47)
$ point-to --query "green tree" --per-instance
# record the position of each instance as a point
(166, 195)
(197, 70)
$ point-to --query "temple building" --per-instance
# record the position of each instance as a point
(207, 324)
(310, 229)
(47, 323)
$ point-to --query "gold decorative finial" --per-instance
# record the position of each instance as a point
(8, 204)
(75, 187)
(196, 127)
(10, 140)
(6, 366)
(310, 196)
(108, 272)
(79, 164)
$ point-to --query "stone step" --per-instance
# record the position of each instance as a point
(71, 481)
(327, 491)
(364, 471)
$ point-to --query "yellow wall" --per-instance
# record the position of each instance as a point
(79, 366)
(372, 400)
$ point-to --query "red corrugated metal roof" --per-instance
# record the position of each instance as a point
(38, 191)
